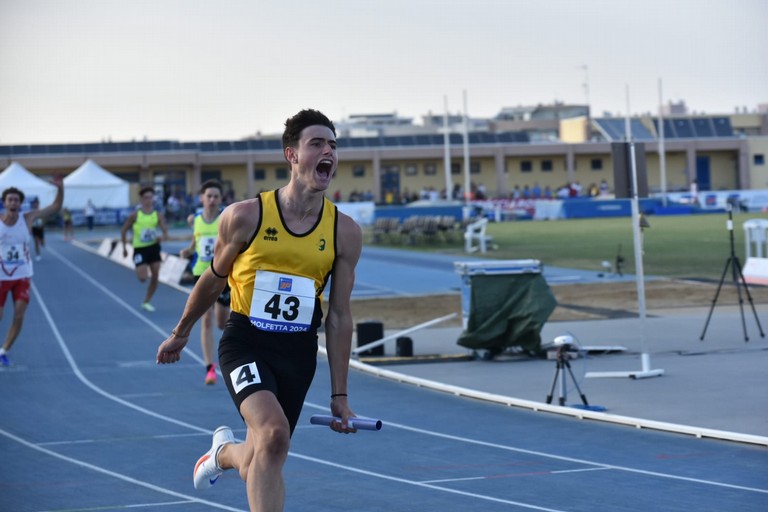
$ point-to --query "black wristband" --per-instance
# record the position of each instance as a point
(336, 395)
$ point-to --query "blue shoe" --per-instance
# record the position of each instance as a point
(4, 360)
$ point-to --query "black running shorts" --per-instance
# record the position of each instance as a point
(147, 255)
(252, 360)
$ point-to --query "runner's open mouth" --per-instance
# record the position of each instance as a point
(324, 167)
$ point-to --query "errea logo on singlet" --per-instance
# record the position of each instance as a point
(271, 235)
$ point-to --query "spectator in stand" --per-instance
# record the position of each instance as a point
(480, 193)
(547, 192)
(536, 190)
(695, 193)
(604, 189)
(526, 192)
(456, 194)
(516, 193)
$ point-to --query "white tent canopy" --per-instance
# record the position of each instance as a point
(15, 175)
(91, 181)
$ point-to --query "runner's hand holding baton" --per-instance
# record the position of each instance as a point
(356, 423)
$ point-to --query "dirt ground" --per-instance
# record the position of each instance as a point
(575, 302)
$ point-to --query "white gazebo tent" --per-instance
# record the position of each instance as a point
(91, 181)
(16, 175)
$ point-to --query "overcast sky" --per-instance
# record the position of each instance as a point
(90, 70)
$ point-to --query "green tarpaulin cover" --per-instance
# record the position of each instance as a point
(507, 310)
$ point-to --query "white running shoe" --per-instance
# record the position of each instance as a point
(207, 469)
(146, 306)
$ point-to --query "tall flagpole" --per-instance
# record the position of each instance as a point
(466, 153)
(662, 152)
(447, 151)
(645, 358)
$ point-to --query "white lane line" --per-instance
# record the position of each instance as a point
(88, 383)
(116, 507)
(405, 427)
(575, 460)
(426, 485)
(113, 474)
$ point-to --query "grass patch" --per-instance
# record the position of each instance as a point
(690, 246)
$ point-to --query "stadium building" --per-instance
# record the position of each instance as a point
(390, 158)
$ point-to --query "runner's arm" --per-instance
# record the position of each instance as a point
(235, 228)
(338, 324)
(52, 208)
(128, 224)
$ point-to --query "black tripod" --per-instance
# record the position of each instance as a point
(562, 365)
(738, 281)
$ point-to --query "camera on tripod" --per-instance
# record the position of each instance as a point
(564, 344)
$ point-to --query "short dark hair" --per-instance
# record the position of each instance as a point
(145, 189)
(211, 184)
(307, 117)
(13, 190)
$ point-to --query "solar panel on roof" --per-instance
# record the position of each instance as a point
(684, 128)
(702, 126)
(722, 126)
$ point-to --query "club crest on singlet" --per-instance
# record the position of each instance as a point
(282, 302)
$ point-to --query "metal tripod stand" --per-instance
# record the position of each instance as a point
(562, 366)
(738, 281)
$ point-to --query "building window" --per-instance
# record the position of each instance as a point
(259, 174)
(390, 169)
(358, 171)
(210, 175)
(526, 166)
(455, 168)
(474, 167)
(281, 173)
(430, 169)
(546, 165)
(759, 159)
(411, 169)
(597, 164)
(130, 177)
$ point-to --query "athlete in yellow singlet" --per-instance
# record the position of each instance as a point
(145, 221)
(278, 252)
(205, 228)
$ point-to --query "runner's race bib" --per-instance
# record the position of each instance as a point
(282, 302)
(13, 254)
(148, 235)
(205, 246)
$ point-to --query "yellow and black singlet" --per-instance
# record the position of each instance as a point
(278, 280)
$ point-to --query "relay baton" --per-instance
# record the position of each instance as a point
(357, 423)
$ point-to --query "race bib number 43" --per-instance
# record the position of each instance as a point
(282, 302)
